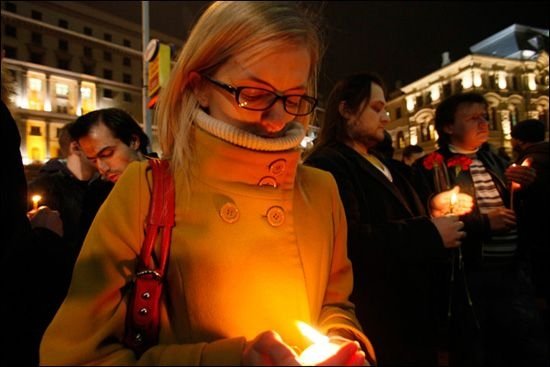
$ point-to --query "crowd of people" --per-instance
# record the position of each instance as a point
(438, 259)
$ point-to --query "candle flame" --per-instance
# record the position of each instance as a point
(36, 198)
(454, 199)
(311, 333)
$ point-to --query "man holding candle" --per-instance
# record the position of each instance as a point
(493, 318)
(393, 243)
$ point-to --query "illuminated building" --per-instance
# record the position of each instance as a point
(66, 59)
(509, 68)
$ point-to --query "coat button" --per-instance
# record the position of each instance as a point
(277, 167)
(275, 216)
(229, 213)
(268, 181)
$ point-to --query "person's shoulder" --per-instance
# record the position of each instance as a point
(330, 154)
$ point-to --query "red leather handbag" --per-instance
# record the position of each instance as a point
(143, 313)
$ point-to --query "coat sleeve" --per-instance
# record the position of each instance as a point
(88, 329)
(392, 237)
(338, 313)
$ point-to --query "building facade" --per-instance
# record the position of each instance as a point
(63, 60)
(509, 68)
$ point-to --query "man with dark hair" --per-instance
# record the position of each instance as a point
(64, 182)
(494, 319)
(111, 139)
(533, 201)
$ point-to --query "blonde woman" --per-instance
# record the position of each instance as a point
(259, 241)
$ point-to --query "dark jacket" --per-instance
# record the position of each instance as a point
(29, 259)
(476, 225)
(64, 192)
(392, 245)
(532, 206)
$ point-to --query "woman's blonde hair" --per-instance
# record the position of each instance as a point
(225, 29)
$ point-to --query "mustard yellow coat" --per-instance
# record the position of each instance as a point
(262, 245)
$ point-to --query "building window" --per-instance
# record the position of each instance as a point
(10, 31)
(108, 37)
(11, 52)
(400, 140)
(447, 90)
(398, 113)
(35, 131)
(107, 56)
(88, 69)
(88, 97)
(419, 101)
(126, 43)
(36, 38)
(36, 15)
(63, 64)
(87, 51)
(87, 31)
(108, 74)
(63, 45)
(107, 93)
(127, 78)
(36, 58)
(127, 97)
(63, 23)
(9, 6)
(126, 61)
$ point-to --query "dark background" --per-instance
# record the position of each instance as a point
(400, 40)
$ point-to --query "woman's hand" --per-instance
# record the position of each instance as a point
(442, 204)
(347, 353)
(268, 349)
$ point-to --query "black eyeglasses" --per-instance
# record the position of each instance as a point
(259, 99)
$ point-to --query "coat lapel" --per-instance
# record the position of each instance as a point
(371, 170)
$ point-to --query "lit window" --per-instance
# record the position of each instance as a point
(86, 92)
(531, 82)
(435, 93)
(502, 80)
(35, 84)
(61, 90)
(88, 97)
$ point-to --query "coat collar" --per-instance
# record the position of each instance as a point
(375, 173)
(222, 160)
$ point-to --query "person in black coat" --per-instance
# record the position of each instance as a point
(532, 203)
(392, 243)
(30, 249)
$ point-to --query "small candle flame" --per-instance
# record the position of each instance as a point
(311, 333)
(35, 199)
(454, 199)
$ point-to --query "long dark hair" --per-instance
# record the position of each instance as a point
(353, 90)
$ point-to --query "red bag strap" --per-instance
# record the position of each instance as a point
(160, 218)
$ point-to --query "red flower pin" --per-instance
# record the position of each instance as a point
(459, 162)
(432, 159)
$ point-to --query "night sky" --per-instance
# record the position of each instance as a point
(400, 40)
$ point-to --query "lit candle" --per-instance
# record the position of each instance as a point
(35, 199)
(320, 350)
(454, 200)
(514, 186)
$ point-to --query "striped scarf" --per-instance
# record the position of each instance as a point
(500, 248)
